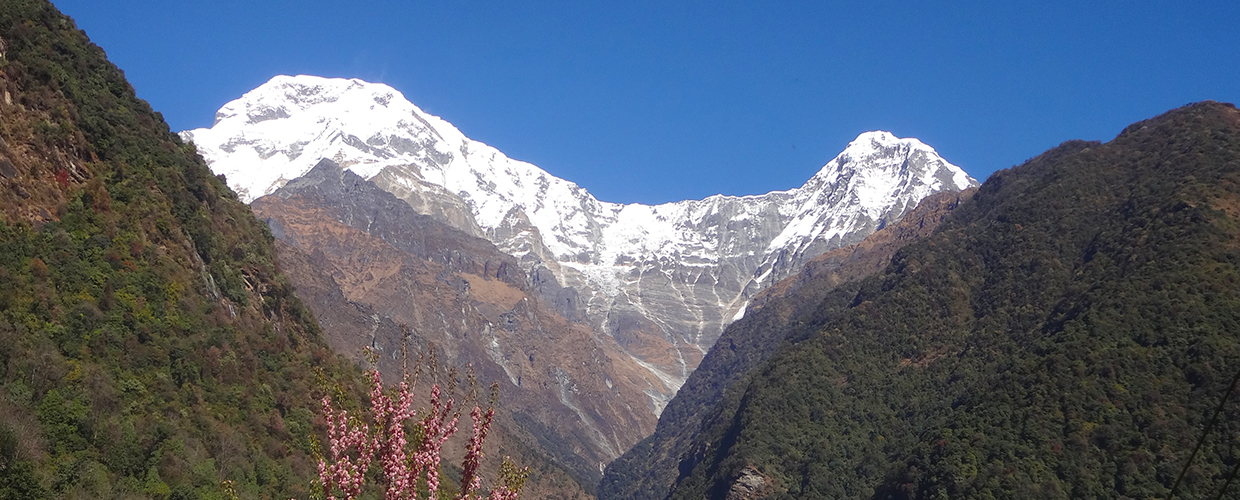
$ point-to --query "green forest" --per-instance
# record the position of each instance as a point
(149, 345)
(1066, 333)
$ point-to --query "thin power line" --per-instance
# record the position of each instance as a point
(1219, 409)
(1228, 482)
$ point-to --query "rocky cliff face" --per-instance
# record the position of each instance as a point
(350, 326)
(371, 262)
(661, 280)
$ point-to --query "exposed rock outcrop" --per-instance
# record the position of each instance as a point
(371, 263)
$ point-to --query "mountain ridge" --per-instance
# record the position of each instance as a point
(662, 279)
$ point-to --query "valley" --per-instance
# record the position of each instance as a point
(179, 309)
(594, 313)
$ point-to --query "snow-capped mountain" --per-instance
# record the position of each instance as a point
(663, 280)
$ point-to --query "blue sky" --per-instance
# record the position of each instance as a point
(661, 101)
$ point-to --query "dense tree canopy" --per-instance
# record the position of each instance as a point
(1065, 334)
(149, 345)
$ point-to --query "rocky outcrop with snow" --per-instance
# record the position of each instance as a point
(663, 280)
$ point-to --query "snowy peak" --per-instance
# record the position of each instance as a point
(881, 154)
(873, 182)
(278, 131)
(879, 140)
(283, 95)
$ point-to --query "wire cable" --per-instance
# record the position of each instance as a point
(1228, 482)
(1214, 418)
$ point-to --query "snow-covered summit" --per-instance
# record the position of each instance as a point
(279, 130)
(877, 178)
(688, 268)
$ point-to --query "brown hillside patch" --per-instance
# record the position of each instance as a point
(493, 291)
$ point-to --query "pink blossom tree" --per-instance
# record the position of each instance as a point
(354, 444)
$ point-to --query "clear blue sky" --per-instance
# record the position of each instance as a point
(660, 101)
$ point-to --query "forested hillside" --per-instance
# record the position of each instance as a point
(149, 346)
(1066, 333)
(788, 311)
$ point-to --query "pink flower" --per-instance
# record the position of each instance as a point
(353, 447)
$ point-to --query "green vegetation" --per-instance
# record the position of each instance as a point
(149, 346)
(1065, 334)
